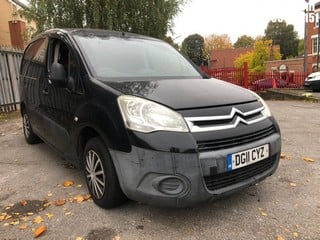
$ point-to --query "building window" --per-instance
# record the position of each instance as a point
(315, 17)
(315, 45)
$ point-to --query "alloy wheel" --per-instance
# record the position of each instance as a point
(95, 174)
(26, 125)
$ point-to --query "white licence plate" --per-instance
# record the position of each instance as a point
(245, 158)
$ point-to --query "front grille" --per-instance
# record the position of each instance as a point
(235, 141)
(226, 179)
(224, 122)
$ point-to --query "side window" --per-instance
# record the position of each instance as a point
(61, 53)
(74, 71)
(34, 55)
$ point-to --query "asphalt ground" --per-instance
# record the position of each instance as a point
(285, 206)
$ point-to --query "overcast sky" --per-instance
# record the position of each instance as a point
(237, 17)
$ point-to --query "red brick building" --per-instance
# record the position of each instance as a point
(224, 58)
(312, 19)
(288, 65)
(14, 29)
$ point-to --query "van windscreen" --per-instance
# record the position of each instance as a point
(127, 57)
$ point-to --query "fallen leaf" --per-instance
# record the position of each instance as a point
(2, 218)
(49, 215)
(24, 219)
(68, 183)
(79, 198)
(79, 238)
(307, 159)
(23, 227)
(263, 213)
(116, 238)
(79, 186)
(38, 219)
(292, 184)
(49, 194)
(39, 231)
(282, 156)
(6, 224)
(60, 202)
(8, 217)
(295, 234)
(87, 197)
(280, 238)
(23, 203)
(30, 213)
(306, 95)
(68, 213)
(14, 223)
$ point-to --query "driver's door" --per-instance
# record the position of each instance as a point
(59, 104)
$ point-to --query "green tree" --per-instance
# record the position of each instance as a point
(55, 13)
(301, 47)
(283, 34)
(153, 17)
(192, 47)
(244, 41)
(171, 42)
(256, 59)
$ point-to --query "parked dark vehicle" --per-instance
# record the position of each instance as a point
(312, 82)
(141, 120)
(266, 83)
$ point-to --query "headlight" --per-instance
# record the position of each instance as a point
(146, 116)
(266, 110)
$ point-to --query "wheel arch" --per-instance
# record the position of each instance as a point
(104, 122)
(85, 134)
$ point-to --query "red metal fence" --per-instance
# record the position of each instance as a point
(257, 81)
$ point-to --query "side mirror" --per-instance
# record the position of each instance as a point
(58, 75)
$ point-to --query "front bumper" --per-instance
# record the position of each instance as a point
(182, 179)
(312, 85)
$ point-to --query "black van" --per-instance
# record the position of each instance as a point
(141, 120)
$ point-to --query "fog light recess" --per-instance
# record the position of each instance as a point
(171, 186)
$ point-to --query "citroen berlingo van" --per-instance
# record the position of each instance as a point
(141, 120)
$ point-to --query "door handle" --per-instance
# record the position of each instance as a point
(45, 91)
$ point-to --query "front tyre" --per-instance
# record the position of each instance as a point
(29, 135)
(100, 174)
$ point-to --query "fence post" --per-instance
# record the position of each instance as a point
(245, 75)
